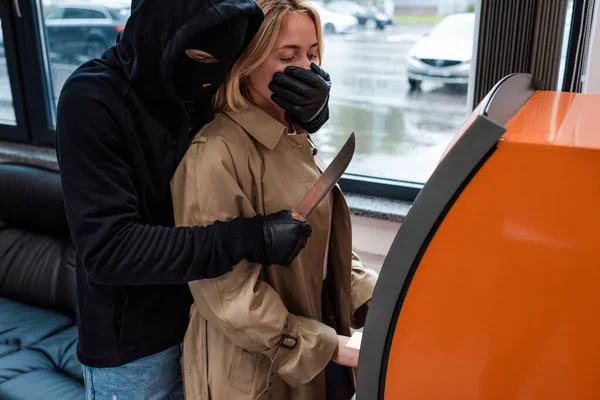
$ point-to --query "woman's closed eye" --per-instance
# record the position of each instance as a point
(311, 57)
(287, 56)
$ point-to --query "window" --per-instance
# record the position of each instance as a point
(120, 14)
(83, 13)
(459, 26)
(399, 81)
(7, 110)
(78, 34)
(56, 14)
(12, 117)
(347, 6)
(565, 44)
(400, 72)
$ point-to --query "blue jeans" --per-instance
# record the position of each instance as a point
(155, 377)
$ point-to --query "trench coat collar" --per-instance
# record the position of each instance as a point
(260, 125)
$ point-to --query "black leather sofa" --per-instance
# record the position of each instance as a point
(38, 336)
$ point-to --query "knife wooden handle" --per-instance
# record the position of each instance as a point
(298, 217)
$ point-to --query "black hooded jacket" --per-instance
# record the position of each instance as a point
(121, 132)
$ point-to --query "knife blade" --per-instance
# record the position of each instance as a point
(326, 181)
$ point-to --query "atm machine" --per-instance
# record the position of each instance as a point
(491, 289)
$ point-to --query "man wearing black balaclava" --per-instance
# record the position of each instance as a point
(124, 123)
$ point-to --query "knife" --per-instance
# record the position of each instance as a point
(326, 182)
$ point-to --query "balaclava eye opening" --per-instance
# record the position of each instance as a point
(224, 42)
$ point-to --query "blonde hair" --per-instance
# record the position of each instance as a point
(233, 94)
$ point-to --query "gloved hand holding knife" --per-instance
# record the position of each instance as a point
(280, 226)
(304, 94)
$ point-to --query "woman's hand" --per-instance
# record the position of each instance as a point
(346, 356)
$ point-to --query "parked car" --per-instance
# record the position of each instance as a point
(368, 17)
(77, 31)
(444, 55)
(334, 22)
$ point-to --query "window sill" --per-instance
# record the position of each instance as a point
(360, 205)
(377, 207)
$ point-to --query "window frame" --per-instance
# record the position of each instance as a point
(35, 111)
(17, 132)
(380, 187)
(26, 53)
(571, 59)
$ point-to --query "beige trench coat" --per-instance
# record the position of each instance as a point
(256, 332)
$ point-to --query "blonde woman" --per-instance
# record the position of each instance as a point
(264, 331)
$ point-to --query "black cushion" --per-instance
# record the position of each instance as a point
(38, 336)
(31, 199)
(37, 269)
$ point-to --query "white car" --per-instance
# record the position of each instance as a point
(444, 55)
(334, 22)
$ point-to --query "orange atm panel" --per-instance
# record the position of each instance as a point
(492, 287)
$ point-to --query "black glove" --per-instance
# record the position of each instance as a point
(284, 237)
(303, 94)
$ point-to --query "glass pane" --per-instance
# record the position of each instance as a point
(7, 111)
(400, 71)
(78, 32)
(565, 45)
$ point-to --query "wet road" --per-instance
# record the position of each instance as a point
(400, 135)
